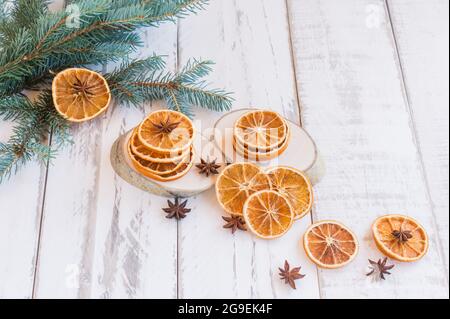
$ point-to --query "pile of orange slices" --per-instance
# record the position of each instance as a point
(161, 148)
(261, 135)
(269, 200)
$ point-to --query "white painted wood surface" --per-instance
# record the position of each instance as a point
(353, 104)
(249, 41)
(20, 212)
(368, 79)
(422, 33)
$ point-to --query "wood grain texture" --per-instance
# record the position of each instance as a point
(21, 200)
(249, 41)
(136, 246)
(111, 239)
(422, 36)
(368, 79)
(352, 102)
(20, 211)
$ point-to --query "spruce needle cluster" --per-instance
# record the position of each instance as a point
(36, 43)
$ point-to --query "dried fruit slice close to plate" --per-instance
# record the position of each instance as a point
(268, 214)
(329, 244)
(262, 155)
(150, 155)
(155, 168)
(260, 130)
(80, 94)
(295, 186)
(236, 183)
(166, 132)
(161, 174)
(400, 237)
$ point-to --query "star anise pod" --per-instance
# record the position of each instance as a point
(234, 223)
(402, 235)
(176, 210)
(208, 167)
(166, 127)
(290, 276)
(380, 268)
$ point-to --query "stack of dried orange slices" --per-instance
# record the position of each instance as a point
(260, 135)
(269, 200)
(161, 146)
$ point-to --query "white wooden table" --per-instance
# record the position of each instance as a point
(367, 78)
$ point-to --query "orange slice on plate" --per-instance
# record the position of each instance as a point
(80, 94)
(143, 167)
(295, 186)
(150, 155)
(179, 173)
(268, 214)
(261, 155)
(236, 183)
(400, 237)
(329, 244)
(166, 132)
(260, 130)
(155, 168)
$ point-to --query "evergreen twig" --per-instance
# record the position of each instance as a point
(48, 42)
(142, 81)
(28, 138)
(36, 43)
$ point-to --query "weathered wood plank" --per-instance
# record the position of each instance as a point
(20, 211)
(249, 41)
(421, 30)
(20, 220)
(136, 246)
(350, 87)
(102, 237)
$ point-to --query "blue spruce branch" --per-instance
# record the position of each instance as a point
(180, 90)
(35, 44)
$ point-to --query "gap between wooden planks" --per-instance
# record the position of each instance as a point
(123, 244)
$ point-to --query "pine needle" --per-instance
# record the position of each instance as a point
(36, 43)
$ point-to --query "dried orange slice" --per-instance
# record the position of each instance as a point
(180, 172)
(166, 132)
(149, 155)
(400, 237)
(80, 94)
(268, 214)
(329, 244)
(295, 186)
(260, 130)
(142, 166)
(155, 168)
(261, 155)
(236, 183)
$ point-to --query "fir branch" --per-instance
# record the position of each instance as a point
(15, 107)
(25, 13)
(36, 43)
(14, 156)
(170, 10)
(4, 5)
(50, 43)
(181, 90)
(212, 99)
(33, 125)
(10, 161)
